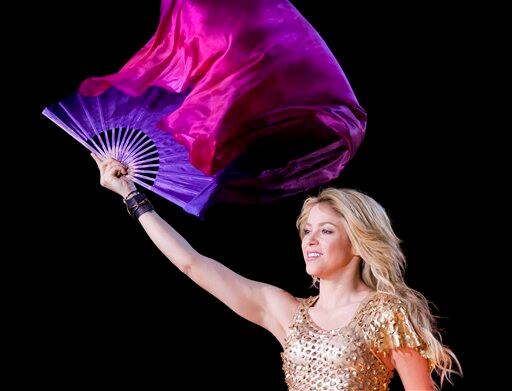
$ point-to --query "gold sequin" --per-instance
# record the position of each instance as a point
(346, 358)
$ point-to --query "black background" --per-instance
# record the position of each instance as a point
(99, 305)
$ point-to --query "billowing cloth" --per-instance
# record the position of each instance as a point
(268, 109)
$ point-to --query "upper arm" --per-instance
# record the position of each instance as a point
(263, 304)
(393, 338)
(412, 368)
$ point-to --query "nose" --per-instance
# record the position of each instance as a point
(312, 238)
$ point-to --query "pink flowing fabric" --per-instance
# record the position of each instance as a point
(254, 70)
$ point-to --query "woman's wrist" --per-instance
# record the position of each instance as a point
(130, 195)
(128, 192)
(137, 204)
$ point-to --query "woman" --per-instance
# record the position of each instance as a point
(364, 324)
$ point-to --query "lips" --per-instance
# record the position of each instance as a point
(312, 258)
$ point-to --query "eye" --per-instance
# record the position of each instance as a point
(306, 231)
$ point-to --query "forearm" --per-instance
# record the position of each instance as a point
(168, 241)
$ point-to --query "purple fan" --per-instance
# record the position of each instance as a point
(123, 127)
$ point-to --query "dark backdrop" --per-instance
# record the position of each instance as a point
(102, 307)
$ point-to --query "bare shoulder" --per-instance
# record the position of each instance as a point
(280, 308)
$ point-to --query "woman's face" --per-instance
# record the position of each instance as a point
(324, 233)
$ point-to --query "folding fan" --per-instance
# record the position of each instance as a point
(229, 101)
(123, 127)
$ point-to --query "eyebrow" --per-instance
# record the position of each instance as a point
(324, 222)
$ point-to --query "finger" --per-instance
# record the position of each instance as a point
(108, 163)
(112, 168)
(117, 171)
(112, 160)
(102, 164)
(112, 172)
(116, 164)
(96, 159)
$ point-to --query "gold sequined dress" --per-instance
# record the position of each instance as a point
(346, 358)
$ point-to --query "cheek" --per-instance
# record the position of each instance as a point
(338, 246)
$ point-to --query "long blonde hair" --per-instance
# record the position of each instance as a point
(383, 263)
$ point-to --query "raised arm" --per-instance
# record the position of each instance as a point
(263, 304)
(260, 303)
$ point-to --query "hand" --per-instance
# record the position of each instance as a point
(114, 176)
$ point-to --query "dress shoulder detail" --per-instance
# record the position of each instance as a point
(386, 324)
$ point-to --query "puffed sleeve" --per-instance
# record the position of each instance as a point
(388, 326)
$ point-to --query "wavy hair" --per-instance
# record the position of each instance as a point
(383, 264)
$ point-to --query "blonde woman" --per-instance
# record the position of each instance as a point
(364, 324)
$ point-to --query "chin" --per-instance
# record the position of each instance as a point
(311, 272)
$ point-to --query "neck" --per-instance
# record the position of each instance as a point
(344, 289)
